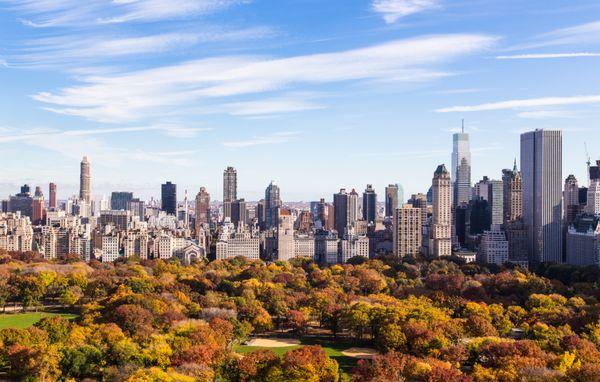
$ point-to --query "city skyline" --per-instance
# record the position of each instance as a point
(290, 92)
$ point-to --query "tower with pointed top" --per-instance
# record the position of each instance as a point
(441, 228)
(84, 181)
(513, 194)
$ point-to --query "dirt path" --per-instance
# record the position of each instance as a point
(362, 353)
(273, 342)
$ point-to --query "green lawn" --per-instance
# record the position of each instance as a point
(25, 320)
(333, 350)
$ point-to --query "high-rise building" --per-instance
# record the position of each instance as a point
(541, 167)
(168, 198)
(38, 207)
(593, 192)
(22, 202)
(85, 193)
(571, 200)
(583, 241)
(304, 224)
(285, 235)
(407, 234)
(120, 200)
(353, 208)
(340, 210)
(272, 205)
(441, 228)
(513, 194)
(52, 191)
(496, 200)
(391, 200)
(229, 184)
(369, 204)
(321, 215)
(202, 208)
(239, 212)
(461, 167)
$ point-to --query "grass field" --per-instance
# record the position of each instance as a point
(333, 350)
(25, 320)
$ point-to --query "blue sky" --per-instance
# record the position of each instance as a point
(316, 95)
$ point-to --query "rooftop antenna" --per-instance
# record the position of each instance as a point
(589, 161)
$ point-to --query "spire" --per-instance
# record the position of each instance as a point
(463, 125)
(515, 165)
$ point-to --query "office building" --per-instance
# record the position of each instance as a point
(239, 212)
(353, 208)
(285, 235)
(571, 206)
(593, 192)
(583, 241)
(391, 200)
(541, 167)
(168, 196)
(441, 228)
(85, 193)
(513, 194)
(22, 202)
(461, 168)
(340, 210)
(496, 201)
(272, 205)
(120, 200)
(407, 234)
(369, 204)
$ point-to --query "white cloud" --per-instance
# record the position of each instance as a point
(393, 10)
(271, 106)
(530, 56)
(52, 13)
(70, 50)
(137, 95)
(277, 138)
(583, 34)
(546, 114)
(524, 103)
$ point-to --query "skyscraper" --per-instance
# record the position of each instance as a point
(593, 192)
(353, 208)
(369, 204)
(52, 191)
(513, 194)
(239, 212)
(461, 167)
(272, 204)
(340, 211)
(496, 201)
(168, 197)
(441, 228)
(84, 181)
(391, 200)
(202, 207)
(571, 200)
(229, 184)
(541, 166)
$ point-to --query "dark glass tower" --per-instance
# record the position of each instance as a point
(169, 198)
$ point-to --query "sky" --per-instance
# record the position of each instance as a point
(315, 95)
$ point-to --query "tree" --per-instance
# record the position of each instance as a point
(309, 363)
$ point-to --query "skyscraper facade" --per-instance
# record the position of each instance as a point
(441, 228)
(120, 200)
(593, 192)
(369, 204)
(85, 193)
(239, 212)
(391, 200)
(52, 191)
(461, 168)
(513, 194)
(229, 184)
(407, 229)
(496, 201)
(353, 208)
(571, 200)
(202, 207)
(541, 167)
(340, 211)
(272, 205)
(169, 198)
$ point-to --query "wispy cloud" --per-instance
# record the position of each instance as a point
(271, 106)
(547, 114)
(582, 34)
(14, 135)
(277, 138)
(136, 95)
(524, 103)
(393, 10)
(69, 50)
(52, 13)
(532, 56)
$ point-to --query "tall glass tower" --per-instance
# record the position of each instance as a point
(461, 167)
